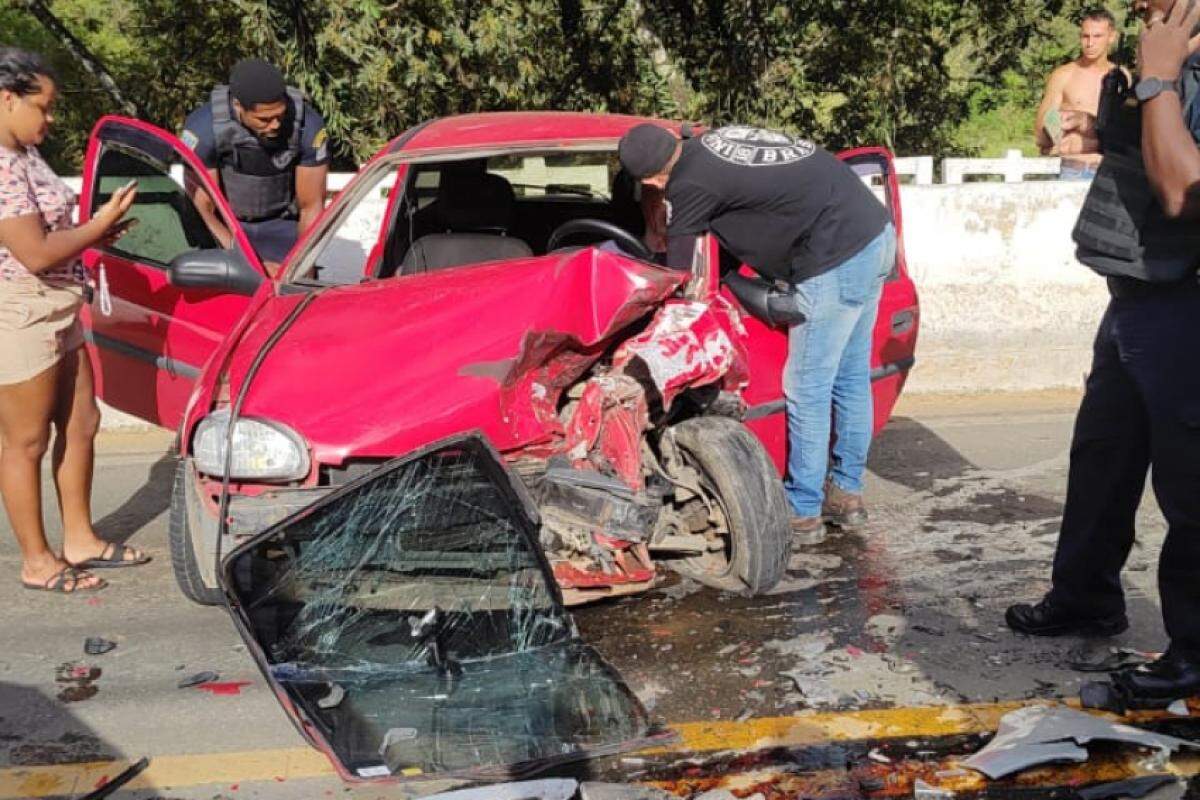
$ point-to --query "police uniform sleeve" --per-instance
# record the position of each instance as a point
(198, 134)
(314, 142)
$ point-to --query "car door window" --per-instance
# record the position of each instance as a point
(344, 253)
(169, 223)
(873, 171)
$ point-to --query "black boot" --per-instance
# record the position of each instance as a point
(1173, 677)
(1049, 619)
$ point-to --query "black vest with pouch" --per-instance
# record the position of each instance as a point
(256, 197)
(1122, 230)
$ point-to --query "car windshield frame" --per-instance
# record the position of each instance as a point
(294, 276)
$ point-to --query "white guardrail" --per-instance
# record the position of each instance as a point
(1014, 168)
(913, 170)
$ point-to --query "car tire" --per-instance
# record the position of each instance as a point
(183, 554)
(735, 468)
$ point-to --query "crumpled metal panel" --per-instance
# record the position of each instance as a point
(1037, 735)
(487, 348)
(411, 621)
(689, 345)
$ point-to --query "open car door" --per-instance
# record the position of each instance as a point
(893, 351)
(411, 626)
(151, 336)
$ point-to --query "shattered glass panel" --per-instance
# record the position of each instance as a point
(411, 619)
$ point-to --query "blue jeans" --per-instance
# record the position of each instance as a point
(1071, 172)
(827, 379)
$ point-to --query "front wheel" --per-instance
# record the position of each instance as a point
(183, 553)
(748, 516)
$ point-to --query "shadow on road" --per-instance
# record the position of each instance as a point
(911, 455)
(150, 500)
(40, 731)
(908, 453)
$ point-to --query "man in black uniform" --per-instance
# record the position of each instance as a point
(803, 219)
(267, 149)
(1142, 405)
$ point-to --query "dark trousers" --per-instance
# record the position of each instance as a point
(272, 239)
(1141, 408)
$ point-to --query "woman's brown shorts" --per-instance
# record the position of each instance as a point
(39, 324)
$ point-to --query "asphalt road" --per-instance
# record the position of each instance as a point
(907, 614)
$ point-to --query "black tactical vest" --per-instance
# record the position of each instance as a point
(256, 197)
(1122, 230)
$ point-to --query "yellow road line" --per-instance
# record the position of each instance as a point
(181, 771)
(846, 726)
(167, 772)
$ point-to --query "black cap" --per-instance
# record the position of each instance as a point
(646, 150)
(254, 81)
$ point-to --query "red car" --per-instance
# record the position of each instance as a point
(448, 289)
(466, 399)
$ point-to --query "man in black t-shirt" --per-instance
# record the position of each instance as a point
(798, 216)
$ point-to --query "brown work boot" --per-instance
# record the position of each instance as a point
(843, 509)
(808, 530)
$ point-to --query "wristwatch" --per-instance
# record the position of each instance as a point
(1150, 88)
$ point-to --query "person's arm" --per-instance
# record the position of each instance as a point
(207, 208)
(311, 187)
(312, 173)
(197, 134)
(1052, 98)
(1080, 122)
(690, 210)
(1168, 147)
(654, 211)
(39, 251)
(681, 251)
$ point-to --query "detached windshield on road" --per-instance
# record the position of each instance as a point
(410, 617)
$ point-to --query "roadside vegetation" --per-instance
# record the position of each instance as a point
(922, 76)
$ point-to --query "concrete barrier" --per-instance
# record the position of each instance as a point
(1005, 305)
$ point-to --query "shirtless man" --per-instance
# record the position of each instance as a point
(1066, 119)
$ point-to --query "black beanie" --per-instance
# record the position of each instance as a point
(646, 150)
(254, 81)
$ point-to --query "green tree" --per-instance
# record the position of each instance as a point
(1007, 81)
(928, 76)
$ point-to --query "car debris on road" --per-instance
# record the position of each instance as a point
(1037, 735)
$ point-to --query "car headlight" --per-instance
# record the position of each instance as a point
(262, 450)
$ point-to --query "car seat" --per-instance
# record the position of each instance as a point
(479, 211)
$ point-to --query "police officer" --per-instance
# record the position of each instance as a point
(1142, 404)
(267, 148)
(801, 218)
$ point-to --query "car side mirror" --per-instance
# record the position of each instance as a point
(223, 270)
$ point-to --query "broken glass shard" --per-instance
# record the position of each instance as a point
(418, 598)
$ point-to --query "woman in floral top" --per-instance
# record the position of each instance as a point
(45, 377)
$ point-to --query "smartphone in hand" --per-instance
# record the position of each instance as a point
(123, 226)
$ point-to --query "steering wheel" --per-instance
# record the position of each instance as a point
(606, 230)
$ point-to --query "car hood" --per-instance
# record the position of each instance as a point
(381, 369)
